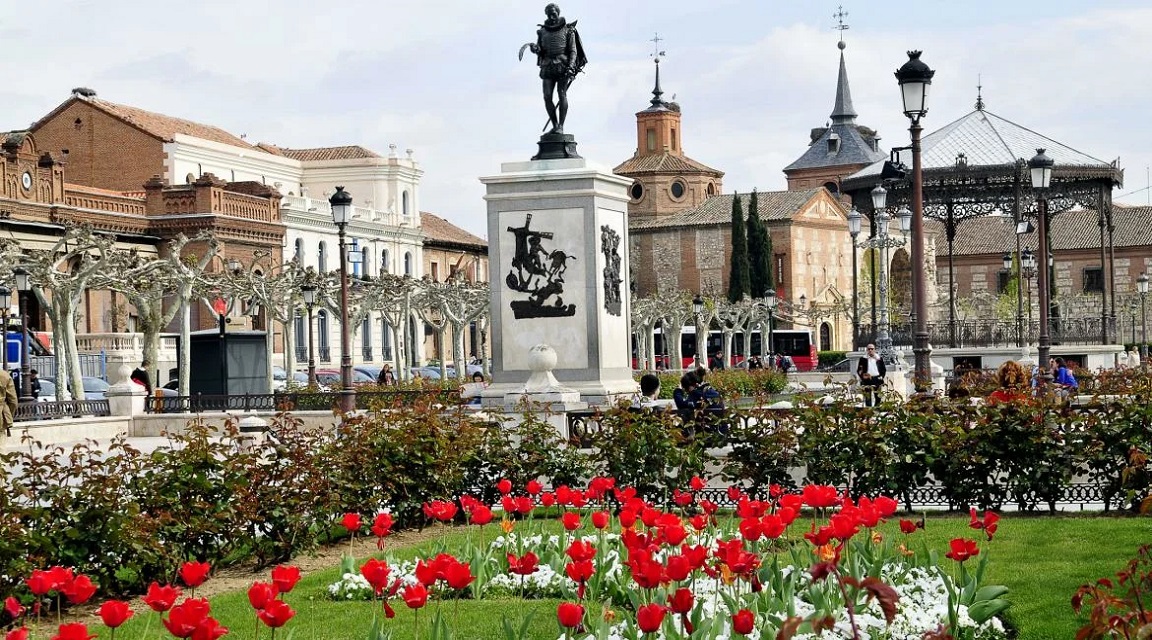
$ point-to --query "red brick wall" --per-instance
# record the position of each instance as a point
(103, 151)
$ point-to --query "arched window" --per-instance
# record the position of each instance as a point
(385, 340)
(300, 333)
(300, 251)
(354, 258)
(407, 263)
(832, 187)
(366, 261)
(404, 203)
(384, 266)
(366, 339)
(324, 347)
(825, 337)
(322, 257)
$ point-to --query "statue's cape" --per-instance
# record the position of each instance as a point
(581, 59)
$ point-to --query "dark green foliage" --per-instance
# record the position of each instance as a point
(759, 252)
(733, 384)
(829, 358)
(738, 275)
(649, 450)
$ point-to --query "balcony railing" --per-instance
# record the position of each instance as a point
(366, 352)
(325, 353)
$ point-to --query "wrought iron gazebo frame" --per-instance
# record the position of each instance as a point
(961, 192)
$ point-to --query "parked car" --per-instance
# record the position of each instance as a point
(427, 373)
(47, 391)
(331, 378)
(94, 388)
(279, 378)
(372, 371)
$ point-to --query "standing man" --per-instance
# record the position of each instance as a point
(8, 408)
(560, 56)
(871, 372)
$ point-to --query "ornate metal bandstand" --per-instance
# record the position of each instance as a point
(977, 167)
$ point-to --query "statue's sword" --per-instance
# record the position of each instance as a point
(567, 83)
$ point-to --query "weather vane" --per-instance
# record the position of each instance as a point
(840, 25)
(656, 52)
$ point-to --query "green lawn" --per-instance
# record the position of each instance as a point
(1041, 559)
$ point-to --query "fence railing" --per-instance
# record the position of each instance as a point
(295, 401)
(61, 409)
(995, 333)
(93, 365)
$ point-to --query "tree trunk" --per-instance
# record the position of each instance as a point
(182, 363)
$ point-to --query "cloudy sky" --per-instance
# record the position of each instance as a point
(441, 76)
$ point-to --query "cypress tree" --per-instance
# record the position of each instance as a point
(738, 276)
(759, 252)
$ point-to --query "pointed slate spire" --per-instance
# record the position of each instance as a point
(842, 110)
(656, 92)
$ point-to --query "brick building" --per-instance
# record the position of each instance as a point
(449, 250)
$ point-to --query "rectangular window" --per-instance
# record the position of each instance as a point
(435, 272)
(673, 139)
(1093, 280)
(651, 139)
(1002, 278)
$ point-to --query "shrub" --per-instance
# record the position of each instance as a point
(649, 450)
(829, 358)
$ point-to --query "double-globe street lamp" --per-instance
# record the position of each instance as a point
(1027, 272)
(1142, 289)
(341, 203)
(915, 78)
(854, 220)
(697, 312)
(309, 293)
(1040, 168)
(883, 242)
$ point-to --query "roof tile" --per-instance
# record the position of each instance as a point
(664, 163)
(1071, 230)
(437, 229)
(162, 126)
(348, 152)
(772, 205)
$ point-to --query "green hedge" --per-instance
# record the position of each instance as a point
(127, 518)
(829, 358)
(733, 384)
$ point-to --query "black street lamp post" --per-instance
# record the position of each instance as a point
(309, 292)
(24, 286)
(341, 202)
(1040, 166)
(697, 311)
(5, 302)
(770, 301)
(854, 218)
(1028, 271)
(915, 78)
(1142, 288)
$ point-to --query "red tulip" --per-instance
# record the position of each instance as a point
(570, 614)
(78, 589)
(681, 601)
(627, 519)
(351, 522)
(571, 520)
(600, 519)
(209, 629)
(17, 634)
(60, 575)
(678, 568)
(194, 573)
(696, 483)
(962, 549)
(376, 573)
(161, 599)
(276, 614)
(40, 582)
(547, 499)
(534, 487)
(285, 578)
(458, 575)
(13, 607)
(907, 526)
(580, 571)
(382, 526)
(524, 565)
(989, 523)
(504, 486)
(115, 613)
(260, 594)
(480, 515)
(415, 596)
(734, 493)
(743, 621)
(183, 619)
(650, 617)
(818, 496)
(73, 631)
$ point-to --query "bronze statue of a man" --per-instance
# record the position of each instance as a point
(560, 56)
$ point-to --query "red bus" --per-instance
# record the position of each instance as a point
(797, 344)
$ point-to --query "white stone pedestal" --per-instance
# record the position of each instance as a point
(125, 398)
(558, 254)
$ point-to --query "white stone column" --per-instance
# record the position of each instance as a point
(125, 398)
(558, 255)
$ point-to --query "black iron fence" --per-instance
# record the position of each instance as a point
(61, 409)
(996, 333)
(296, 401)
